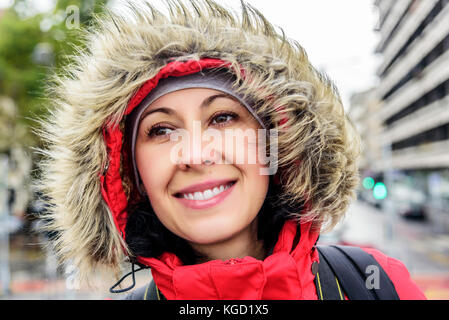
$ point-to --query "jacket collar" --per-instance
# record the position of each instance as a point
(279, 276)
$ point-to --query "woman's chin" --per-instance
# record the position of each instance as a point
(211, 235)
(217, 231)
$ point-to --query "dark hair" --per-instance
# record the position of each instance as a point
(146, 236)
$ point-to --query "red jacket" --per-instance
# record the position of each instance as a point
(285, 274)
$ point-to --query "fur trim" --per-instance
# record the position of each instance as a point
(318, 146)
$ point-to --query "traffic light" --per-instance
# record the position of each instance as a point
(379, 191)
(368, 183)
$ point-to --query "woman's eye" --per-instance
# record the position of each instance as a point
(159, 131)
(223, 118)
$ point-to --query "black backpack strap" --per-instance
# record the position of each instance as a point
(350, 265)
(368, 266)
(327, 285)
(351, 281)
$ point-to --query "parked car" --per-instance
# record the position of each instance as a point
(408, 202)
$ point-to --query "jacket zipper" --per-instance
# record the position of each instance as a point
(233, 261)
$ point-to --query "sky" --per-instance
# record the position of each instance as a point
(338, 36)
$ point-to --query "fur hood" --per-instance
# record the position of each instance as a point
(82, 168)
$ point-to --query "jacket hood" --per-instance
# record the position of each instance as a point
(84, 167)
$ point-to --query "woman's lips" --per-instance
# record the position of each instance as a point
(204, 204)
(210, 184)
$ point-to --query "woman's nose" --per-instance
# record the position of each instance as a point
(199, 150)
(185, 165)
(196, 160)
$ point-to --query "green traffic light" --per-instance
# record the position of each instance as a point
(379, 191)
(368, 183)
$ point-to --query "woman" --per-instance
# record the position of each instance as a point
(129, 177)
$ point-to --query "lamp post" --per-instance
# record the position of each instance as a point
(4, 228)
(387, 203)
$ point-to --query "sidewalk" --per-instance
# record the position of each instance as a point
(36, 276)
(424, 252)
(42, 289)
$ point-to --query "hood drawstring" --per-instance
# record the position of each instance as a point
(132, 272)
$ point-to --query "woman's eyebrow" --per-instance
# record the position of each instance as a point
(165, 110)
(211, 99)
(206, 102)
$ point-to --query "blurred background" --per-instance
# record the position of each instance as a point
(390, 60)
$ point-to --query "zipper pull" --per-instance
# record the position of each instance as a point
(233, 261)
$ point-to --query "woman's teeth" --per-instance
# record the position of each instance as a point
(206, 194)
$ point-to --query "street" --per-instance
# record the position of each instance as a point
(423, 251)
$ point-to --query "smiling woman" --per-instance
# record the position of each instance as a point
(212, 206)
(132, 171)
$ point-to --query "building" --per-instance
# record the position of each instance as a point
(414, 100)
(364, 110)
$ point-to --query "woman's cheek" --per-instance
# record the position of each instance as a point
(240, 147)
(154, 167)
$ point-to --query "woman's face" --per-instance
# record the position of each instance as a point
(203, 198)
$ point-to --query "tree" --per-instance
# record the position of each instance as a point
(33, 45)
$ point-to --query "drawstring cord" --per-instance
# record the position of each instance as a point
(132, 272)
